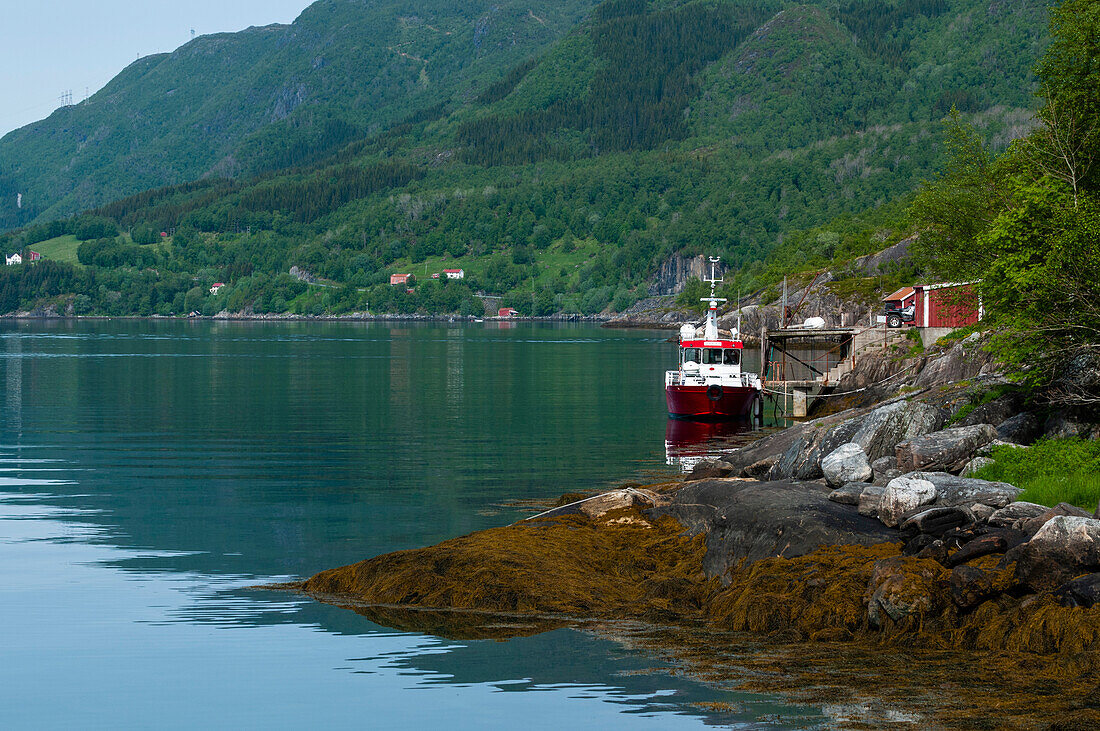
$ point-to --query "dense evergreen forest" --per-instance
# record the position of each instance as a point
(779, 136)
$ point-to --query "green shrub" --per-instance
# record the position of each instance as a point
(1050, 471)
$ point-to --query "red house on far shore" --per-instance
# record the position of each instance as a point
(506, 312)
(399, 278)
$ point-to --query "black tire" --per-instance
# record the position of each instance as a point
(893, 321)
(714, 392)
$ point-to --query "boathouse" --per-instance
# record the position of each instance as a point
(506, 312)
(939, 308)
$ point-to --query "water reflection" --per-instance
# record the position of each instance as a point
(175, 464)
(689, 442)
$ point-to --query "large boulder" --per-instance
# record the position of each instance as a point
(881, 430)
(1010, 514)
(1064, 548)
(745, 519)
(846, 463)
(1023, 428)
(1032, 525)
(948, 450)
(965, 491)
(995, 412)
(903, 495)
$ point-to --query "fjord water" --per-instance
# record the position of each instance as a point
(151, 472)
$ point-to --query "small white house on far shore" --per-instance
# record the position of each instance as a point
(15, 258)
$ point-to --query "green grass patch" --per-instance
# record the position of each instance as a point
(1052, 471)
(62, 248)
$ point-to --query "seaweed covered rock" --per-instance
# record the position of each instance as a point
(947, 450)
(903, 587)
(568, 565)
(846, 463)
(818, 596)
(750, 520)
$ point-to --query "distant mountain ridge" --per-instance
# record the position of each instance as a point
(753, 129)
(267, 97)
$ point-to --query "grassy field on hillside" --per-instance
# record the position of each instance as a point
(63, 248)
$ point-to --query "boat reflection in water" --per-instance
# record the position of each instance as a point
(688, 442)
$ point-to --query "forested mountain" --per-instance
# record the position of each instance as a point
(650, 129)
(239, 103)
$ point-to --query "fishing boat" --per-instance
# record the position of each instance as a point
(709, 384)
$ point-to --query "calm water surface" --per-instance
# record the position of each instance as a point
(150, 472)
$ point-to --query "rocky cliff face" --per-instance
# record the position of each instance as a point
(676, 270)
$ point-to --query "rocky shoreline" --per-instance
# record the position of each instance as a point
(863, 526)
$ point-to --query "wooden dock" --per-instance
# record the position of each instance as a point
(801, 363)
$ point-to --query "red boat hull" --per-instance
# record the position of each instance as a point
(704, 402)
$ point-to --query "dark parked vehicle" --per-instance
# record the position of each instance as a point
(896, 317)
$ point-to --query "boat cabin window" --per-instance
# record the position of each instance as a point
(712, 356)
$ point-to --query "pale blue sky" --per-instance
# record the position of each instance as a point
(50, 46)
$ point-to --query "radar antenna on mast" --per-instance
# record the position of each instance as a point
(711, 327)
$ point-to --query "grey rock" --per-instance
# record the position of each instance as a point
(884, 469)
(953, 490)
(995, 412)
(1084, 591)
(974, 465)
(948, 450)
(709, 468)
(987, 450)
(870, 500)
(881, 430)
(846, 463)
(754, 520)
(904, 494)
(1009, 514)
(848, 494)
(937, 521)
(977, 548)
(1032, 525)
(758, 470)
(982, 512)
(1061, 425)
(1065, 547)
(1023, 428)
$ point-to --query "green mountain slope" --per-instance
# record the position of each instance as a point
(266, 97)
(651, 129)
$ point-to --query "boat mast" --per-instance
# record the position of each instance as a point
(711, 331)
